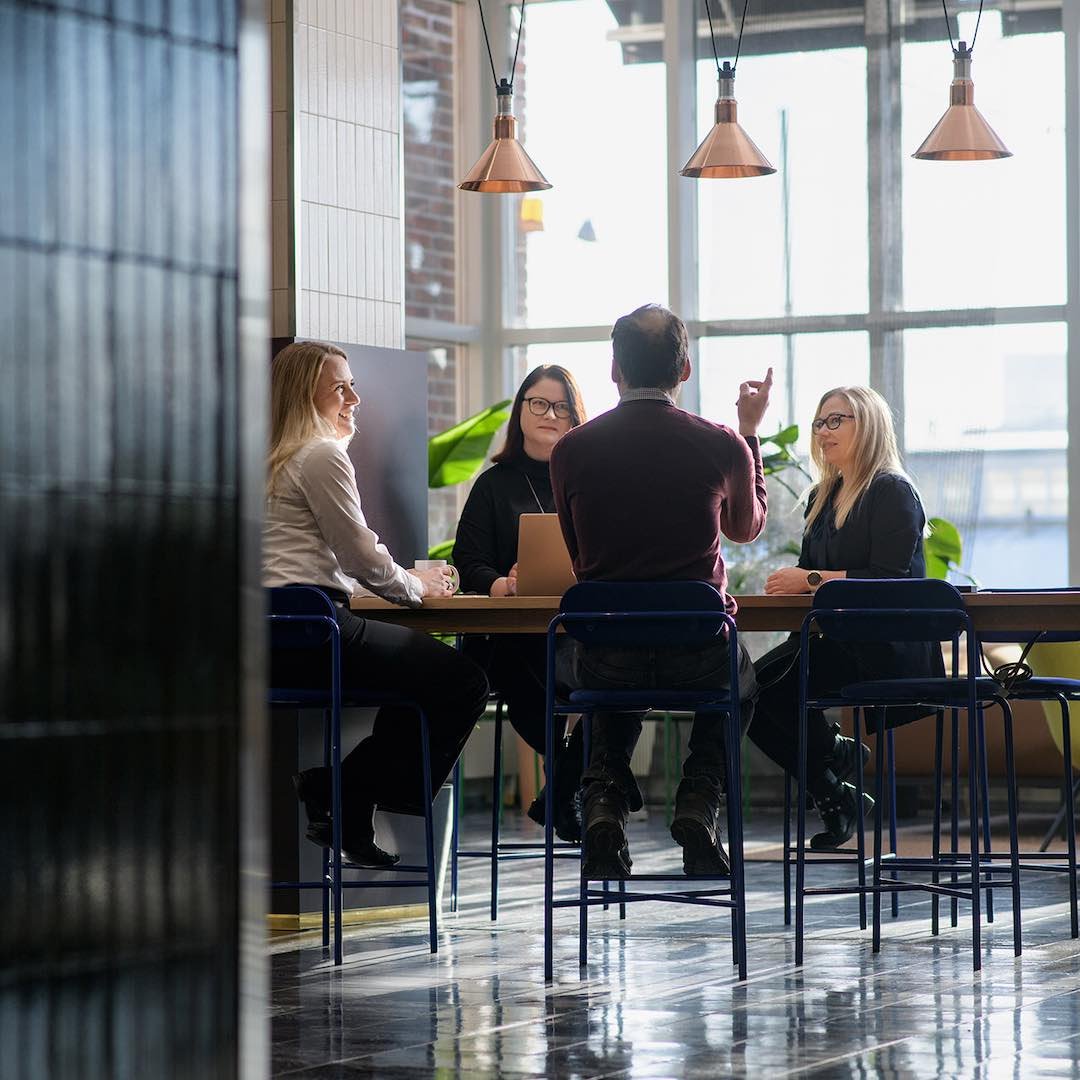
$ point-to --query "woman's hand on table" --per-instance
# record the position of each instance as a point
(505, 586)
(437, 581)
(786, 580)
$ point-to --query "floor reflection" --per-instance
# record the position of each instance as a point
(659, 997)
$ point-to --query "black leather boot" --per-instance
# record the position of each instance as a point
(841, 760)
(607, 855)
(698, 827)
(839, 812)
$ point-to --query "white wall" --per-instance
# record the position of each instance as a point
(345, 234)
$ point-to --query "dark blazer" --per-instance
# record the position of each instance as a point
(881, 538)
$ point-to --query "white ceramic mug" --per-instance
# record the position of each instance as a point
(430, 564)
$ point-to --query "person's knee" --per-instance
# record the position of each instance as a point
(469, 687)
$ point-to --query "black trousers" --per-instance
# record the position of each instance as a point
(615, 734)
(776, 719)
(516, 665)
(385, 768)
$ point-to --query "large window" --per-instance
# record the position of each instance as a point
(987, 234)
(941, 285)
(986, 433)
(596, 127)
(770, 247)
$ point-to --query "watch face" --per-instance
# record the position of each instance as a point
(813, 578)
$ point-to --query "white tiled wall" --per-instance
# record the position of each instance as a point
(347, 215)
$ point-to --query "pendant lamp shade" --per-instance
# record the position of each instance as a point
(504, 166)
(962, 134)
(727, 151)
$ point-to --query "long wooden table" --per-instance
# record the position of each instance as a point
(1009, 611)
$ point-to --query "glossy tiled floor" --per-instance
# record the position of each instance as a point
(660, 999)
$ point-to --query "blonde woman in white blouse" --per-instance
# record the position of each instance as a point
(315, 533)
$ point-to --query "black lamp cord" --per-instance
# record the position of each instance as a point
(517, 47)
(738, 47)
(948, 26)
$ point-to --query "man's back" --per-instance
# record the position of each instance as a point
(644, 491)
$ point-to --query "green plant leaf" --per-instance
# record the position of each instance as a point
(944, 541)
(785, 436)
(442, 551)
(457, 454)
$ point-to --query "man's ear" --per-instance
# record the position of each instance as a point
(616, 375)
(685, 373)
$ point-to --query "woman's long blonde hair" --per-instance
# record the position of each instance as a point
(294, 421)
(874, 451)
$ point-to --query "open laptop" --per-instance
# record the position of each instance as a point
(544, 567)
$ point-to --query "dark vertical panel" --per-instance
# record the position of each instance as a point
(119, 539)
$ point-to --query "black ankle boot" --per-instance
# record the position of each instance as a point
(840, 815)
(607, 855)
(567, 814)
(698, 827)
(841, 760)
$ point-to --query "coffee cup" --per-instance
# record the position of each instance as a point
(431, 564)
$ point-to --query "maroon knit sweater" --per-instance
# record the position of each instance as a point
(644, 491)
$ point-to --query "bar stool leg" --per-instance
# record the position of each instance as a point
(496, 806)
(860, 824)
(984, 783)
(973, 838)
(335, 804)
(787, 849)
(1014, 837)
(895, 902)
(429, 833)
(879, 763)
(1070, 809)
(935, 900)
(455, 826)
(954, 904)
(583, 884)
(326, 854)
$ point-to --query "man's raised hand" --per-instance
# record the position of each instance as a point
(752, 403)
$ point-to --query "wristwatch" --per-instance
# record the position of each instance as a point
(813, 579)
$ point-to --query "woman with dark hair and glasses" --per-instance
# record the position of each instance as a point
(864, 519)
(547, 405)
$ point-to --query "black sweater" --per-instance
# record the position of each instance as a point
(487, 534)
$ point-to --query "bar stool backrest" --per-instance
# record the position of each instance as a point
(889, 609)
(621, 611)
(301, 618)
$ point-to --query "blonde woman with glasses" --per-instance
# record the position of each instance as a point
(864, 519)
(315, 533)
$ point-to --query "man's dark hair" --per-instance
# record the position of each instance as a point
(650, 348)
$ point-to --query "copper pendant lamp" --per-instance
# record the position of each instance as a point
(962, 134)
(504, 166)
(727, 151)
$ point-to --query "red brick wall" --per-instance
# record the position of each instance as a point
(427, 47)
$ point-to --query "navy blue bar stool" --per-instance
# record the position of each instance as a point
(679, 613)
(893, 611)
(302, 618)
(500, 849)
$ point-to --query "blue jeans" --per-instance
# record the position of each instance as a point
(615, 734)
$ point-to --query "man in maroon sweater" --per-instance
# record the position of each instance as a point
(643, 493)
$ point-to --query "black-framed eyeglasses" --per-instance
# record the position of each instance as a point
(832, 421)
(540, 406)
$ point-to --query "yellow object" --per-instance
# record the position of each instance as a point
(312, 920)
(531, 218)
(1059, 660)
